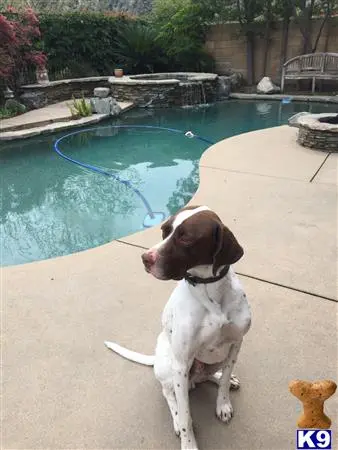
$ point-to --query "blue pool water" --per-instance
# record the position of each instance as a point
(51, 207)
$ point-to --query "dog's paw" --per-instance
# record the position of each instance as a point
(234, 383)
(189, 447)
(224, 411)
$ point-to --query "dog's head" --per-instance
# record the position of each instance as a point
(193, 237)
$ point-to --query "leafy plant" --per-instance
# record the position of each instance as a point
(12, 108)
(182, 27)
(136, 48)
(80, 107)
(15, 107)
(19, 31)
(6, 114)
(80, 43)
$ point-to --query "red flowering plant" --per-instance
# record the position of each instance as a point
(19, 36)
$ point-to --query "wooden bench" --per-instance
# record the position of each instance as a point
(323, 66)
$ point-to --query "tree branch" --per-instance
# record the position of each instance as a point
(327, 15)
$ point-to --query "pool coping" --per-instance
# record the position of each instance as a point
(311, 122)
(298, 97)
(58, 124)
(146, 80)
(42, 86)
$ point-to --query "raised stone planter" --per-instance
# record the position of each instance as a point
(58, 91)
(317, 134)
(166, 89)
(147, 90)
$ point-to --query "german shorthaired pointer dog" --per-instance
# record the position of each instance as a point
(205, 319)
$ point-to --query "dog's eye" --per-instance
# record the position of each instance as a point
(184, 238)
(166, 230)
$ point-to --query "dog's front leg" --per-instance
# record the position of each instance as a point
(181, 384)
(224, 410)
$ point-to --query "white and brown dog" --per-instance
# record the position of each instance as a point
(205, 319)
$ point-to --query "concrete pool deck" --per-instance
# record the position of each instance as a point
(64, 390)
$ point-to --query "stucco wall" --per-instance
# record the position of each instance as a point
(228, 47)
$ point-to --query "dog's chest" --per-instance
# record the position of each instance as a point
(218, 332)
(214, 339)
(204, 332)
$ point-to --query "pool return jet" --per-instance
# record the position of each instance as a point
(152, 218)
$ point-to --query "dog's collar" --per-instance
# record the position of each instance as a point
(191, 279)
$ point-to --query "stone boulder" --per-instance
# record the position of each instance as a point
(223, 87)
(266, 86)
(101, 92)
(228, 83)
(105, 106)
(34, 100)
(236, 80)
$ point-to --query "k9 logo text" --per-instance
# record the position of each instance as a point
(313, 439)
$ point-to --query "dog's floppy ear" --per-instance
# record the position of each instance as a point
(227, 249)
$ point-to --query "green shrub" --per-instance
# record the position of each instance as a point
(15, 107)
(6, 114)
(172, 39)
(136, 49)
(182, 26)
(79, 44)
(12, 108)
(82, 44)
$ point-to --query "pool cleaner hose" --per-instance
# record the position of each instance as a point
(152, 217)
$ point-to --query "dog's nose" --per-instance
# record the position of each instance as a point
(149, 258)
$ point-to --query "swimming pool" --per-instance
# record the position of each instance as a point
(51, 207)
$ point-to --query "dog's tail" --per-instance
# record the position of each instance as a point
(146, 360)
